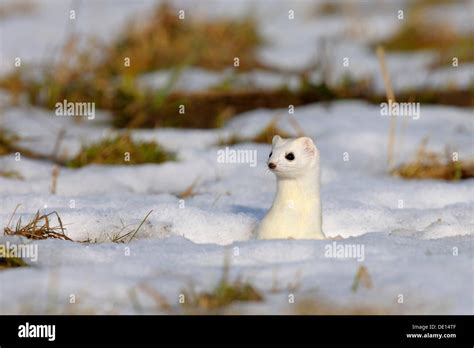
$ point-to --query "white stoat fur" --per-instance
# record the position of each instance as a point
(296, 210)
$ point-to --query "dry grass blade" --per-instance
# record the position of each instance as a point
(38, 228)
(159, 299)
(57, 144)
(363, 278)
(132, 232)
(190, 191)
(390, 99)
(54, 179)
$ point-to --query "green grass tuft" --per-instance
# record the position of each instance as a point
(121, 150)
(8, 260)
(11, 174)
(225, 293)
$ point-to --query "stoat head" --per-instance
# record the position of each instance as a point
(292, 157)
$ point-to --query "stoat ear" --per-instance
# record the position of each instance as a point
(276, 139)
(308, 145)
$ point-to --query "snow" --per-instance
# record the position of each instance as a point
(421, 248)
(88, 271)
(186, 239)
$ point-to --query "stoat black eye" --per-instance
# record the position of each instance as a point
(290, 156)
(270, 155)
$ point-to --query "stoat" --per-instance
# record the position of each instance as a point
(296, 209)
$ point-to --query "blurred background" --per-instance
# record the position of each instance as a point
(142, 59)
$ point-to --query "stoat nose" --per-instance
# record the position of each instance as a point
(272, 165)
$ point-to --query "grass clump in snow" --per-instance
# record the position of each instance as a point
(225, 293)
(121, 150)
(431, 165)
(39, 227)
(191, 190)
(164, 40)
(9, 260)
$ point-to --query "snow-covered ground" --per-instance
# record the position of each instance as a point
(417, 235)
(422, 249)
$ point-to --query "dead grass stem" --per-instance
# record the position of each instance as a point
(132, 233)
(390, 99)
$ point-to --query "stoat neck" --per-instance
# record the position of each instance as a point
(301, 188)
